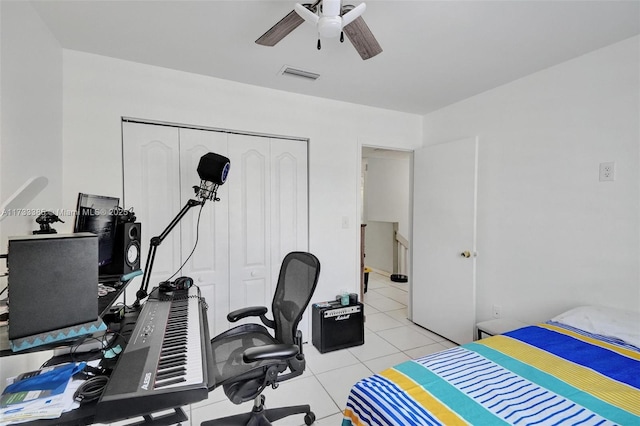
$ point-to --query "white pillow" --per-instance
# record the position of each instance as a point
(611, 322)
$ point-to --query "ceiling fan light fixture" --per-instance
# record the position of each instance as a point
(330, 26)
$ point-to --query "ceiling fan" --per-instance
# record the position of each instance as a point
(331, 18)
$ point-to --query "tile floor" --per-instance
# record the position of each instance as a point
(389, 339)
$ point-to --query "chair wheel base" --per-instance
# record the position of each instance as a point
(261, 416)
(309, 418)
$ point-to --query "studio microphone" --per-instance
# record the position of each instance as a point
(213, 170)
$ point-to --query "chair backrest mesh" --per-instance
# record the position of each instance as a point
(296, 283)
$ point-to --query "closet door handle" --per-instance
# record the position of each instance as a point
(466, 254)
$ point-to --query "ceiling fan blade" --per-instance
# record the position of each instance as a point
(281, 29)
(353, 14)
(306, 14)
(362, 38)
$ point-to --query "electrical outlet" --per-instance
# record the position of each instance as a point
(607, 171)
(496, 311)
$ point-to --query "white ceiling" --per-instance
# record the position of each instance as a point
(435, 52)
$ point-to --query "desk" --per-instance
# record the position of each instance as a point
(84, 415)
(142, 333)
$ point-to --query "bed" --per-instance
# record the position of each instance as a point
(580, 368)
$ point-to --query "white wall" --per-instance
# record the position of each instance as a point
(387, 191)
(379, 246)
(30, 130)
(98, 91)
(550, 235)
(30, 112)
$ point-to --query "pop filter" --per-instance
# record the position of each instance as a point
(213, 168)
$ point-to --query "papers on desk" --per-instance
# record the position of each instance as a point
(41, 394)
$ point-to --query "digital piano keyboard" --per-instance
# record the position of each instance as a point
(166, 363)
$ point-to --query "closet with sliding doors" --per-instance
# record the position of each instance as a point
(239, 240)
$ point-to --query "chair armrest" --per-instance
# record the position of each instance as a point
(266, 352)
(252, 311)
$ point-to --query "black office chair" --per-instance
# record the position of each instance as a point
(248, 358)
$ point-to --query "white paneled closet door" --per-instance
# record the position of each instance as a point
(268, 215)
(250, 221)
(289, 209)
(261, 216)
(151, 187)
(209, 263)
(289, 214)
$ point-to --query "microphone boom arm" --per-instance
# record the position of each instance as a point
(212, 170)
(153, 247)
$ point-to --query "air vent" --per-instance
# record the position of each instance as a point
(295, 72)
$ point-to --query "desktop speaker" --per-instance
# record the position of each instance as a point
(126, 250)
(53, 282)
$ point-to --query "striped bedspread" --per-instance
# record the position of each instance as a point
(538, 375)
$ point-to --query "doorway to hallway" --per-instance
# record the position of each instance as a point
(385, 209)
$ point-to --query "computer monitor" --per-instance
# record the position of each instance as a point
(97, 214)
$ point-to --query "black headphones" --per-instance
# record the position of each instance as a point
(182, 283)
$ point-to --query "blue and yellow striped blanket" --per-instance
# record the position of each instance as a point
(539, 375)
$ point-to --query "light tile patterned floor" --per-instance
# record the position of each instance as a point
(389, 339)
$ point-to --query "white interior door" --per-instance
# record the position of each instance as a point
(209, 263)
(444, 228)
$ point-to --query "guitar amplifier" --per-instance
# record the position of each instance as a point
(337, 327)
